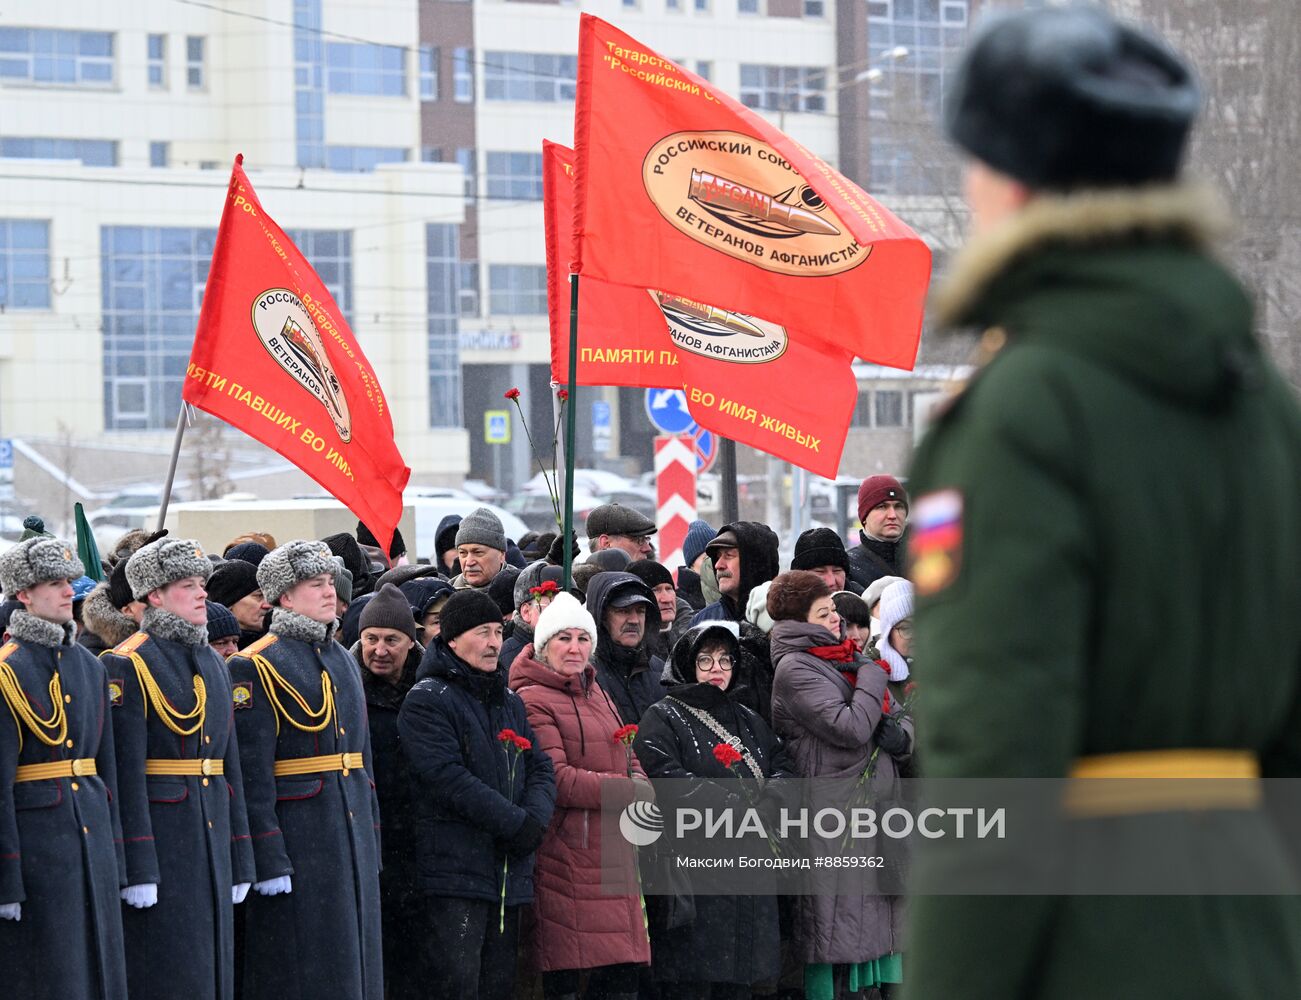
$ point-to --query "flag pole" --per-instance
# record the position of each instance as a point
(570, 429)
(171, 468)
(731, 508)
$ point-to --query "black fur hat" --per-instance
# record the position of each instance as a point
(1068, 98)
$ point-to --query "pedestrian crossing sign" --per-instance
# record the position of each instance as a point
(496, 426)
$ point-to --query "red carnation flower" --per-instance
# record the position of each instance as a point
(507, 736)
(562, 395)
(726, 755)
(625, 734)
(544, 588)
(522, 743)
(512, 393)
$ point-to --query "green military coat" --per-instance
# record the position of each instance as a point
(1106, 530)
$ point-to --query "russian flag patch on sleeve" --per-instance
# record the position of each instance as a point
(935, 541)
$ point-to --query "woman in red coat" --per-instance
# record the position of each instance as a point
(575, 926)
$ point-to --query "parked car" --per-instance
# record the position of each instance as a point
(595, 482)
(535, 510)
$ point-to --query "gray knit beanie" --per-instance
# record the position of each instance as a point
(292, 563)
(165, 561)
(389, 609)
(37, 560)
(481, 527)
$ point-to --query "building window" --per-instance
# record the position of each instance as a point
(428, 73)
(954, 12)
(374, 70)
(465, 158)
(704, 69)
(517, 290)
(880, 10)
(157, 62)
(529, 76)
(152, 287)
(815, 8)
(515, 176)
(309, 84)
(91, 152)
(442, 281)
(24, 264)
(362, 159)
(747, 6)
(702, 5)
(196, 77)
(431, 154)
(672, 4)
(784, 88)
(463, 76)
(42, 55)
(468, 295)
(159, 154)
(888, 408)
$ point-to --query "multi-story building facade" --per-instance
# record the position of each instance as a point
(118, 126)
(400, 141)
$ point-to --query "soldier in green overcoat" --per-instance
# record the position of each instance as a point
(1106, 522)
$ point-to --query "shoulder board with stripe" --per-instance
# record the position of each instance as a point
(6, 649)
(129, 646)
(258, 646)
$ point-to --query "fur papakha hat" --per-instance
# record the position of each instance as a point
(292, 563)
(164, 561)
(39, 559)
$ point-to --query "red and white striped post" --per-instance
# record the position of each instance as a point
(675, 483)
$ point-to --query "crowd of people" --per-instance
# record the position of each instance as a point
(321, 768)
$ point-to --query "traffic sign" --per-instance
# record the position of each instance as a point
(667, 410)
(496, 426)
(601, 427)
(706, 443)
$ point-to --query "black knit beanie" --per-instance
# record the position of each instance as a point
(230, 582)
(651, 573)
(819, 547)
(467, 609)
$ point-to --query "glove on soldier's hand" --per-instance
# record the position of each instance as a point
(141, 896)
(274, 886)
(239, 892)
(11, 911)
(892, 738)
(526, 838)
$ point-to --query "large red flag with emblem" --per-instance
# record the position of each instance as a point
(681, 188)
(274, 357)
(744, 378)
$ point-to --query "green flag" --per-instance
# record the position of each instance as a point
(87, 550)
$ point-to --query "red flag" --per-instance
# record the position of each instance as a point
(745, 378)
(273, 356)
(680, 187)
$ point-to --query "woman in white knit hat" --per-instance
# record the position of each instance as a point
(576, 926)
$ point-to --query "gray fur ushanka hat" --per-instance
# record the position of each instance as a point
(292, 563)
(39, 559)
(165, 561)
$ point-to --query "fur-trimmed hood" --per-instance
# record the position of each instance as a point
(106, 621)
(1121, 278)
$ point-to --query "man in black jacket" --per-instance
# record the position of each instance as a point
(883, 510)
(389, 657)
(626, 612)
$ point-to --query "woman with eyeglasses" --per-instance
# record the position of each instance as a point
(712, 947)
(828, 703)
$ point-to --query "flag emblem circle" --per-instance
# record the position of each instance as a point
(737, 195)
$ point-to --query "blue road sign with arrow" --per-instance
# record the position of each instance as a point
(667, 410)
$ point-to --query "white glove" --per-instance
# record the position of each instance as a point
(239, 892)
(11, 911)
(274, 886)
(141, 896)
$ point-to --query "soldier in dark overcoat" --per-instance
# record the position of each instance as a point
(188, 854)
(60, 870)
(314, 917)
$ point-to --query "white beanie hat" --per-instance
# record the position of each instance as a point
(876, 588)
(896, 605)
(756, 608)
(563, 612)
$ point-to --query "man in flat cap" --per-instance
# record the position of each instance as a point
(614, 526)
(60, 870)
(313, 920)
(181, 793)
(1104, 532)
